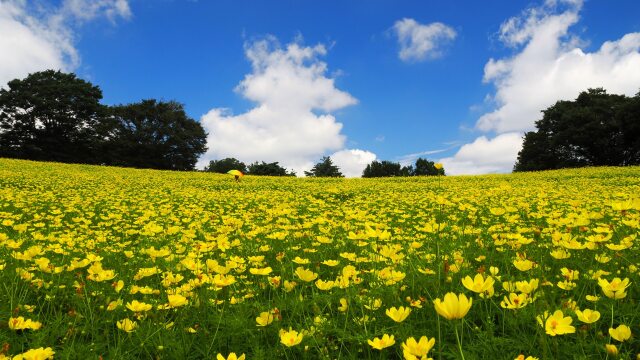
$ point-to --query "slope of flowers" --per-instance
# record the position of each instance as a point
(123, 263)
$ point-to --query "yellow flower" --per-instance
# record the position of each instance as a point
(588, 316)
(20, 323)
(515, 301)
(127, 325)
(523, 264)
(36, 354)
(621, 333)
(557, 324)
(521, 357)
(265, 318)
(177, 300)
(262, 271)
(399, 314)
(325, 285)
(412, 349)
(611, 349)
(137, 306)
(290, 338)
(614, 289)
(453, 307)
(231, 356)
(527, 287)
(305, 275)
(344, 305)
(374, 305)
(381, 343)
(478, 284)
(592, 298)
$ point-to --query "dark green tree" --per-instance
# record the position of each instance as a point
(155, 134)
(325, 168)
(596, 129)
(224, 165)
(382, 169)
(424, 167)
(268, 169)
(51, 116)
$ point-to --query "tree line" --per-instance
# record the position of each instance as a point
(56, 116)
(326, 168)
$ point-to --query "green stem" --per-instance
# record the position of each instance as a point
(458, 341)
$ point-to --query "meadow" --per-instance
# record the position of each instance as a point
(110, 263)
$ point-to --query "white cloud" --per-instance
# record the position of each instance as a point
(548, 65)
(485, 155)
(352, 161)
(420, 42)
(34, 39)
(290, 123)
(410, 159)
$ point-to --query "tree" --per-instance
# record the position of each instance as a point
(594, 130)
(382, 169)
(424, 167)
(224, 165)
(51, 116)
(155, 134)
(269, 169)
(324, 168)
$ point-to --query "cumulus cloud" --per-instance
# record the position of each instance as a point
(548, 65)
(419, 42)
(352, 161)
(291, 121)
(35, 39)
(485, 155)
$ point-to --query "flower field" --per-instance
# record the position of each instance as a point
(110, 263)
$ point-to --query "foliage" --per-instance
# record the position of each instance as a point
(596, 129)
(325, 168)
(129, 264)
(268, 169)
(422, 167)
(155, 134)
(226, 164)
(51, 116)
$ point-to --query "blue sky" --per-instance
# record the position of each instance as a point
(352, 94)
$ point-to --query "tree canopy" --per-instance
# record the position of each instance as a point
(422, 167)
(226, 164)
(50, 116)
(156, 134)
(596, 129)
(268, 169)
(325, 168)
(55, 116)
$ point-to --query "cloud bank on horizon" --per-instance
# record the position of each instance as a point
(548, 66)
(292, 121)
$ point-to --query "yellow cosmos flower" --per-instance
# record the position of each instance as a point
(36, 354)
(453, 307)
(262, 271)
(515, 301)
(127, 325)
(177, 300)
(556, 324)
(375, 304)
(137, 306)
(592, 298)
(588, 316)
(614, 289)
(523, 264)
(305, 275)
(344, 305)
(521, 357)
(412, 349)
(325, 285)
(231, 356)
(611, 349)
(478, 284)
(265, 318)
(621, 333)
(290, 338)
(399, 314)
(527, 287)
(381, 343)
(331, 263)
(20, 323)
